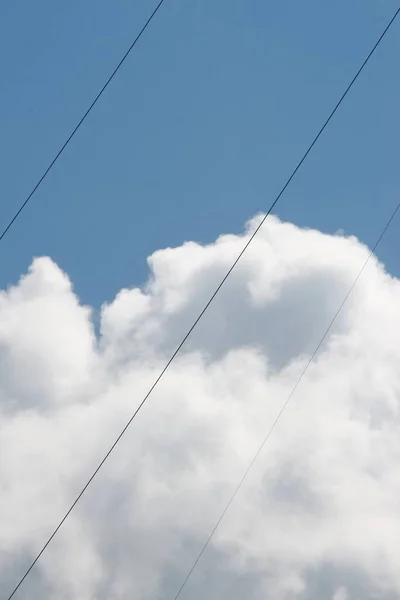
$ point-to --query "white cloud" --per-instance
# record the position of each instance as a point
(318, 516)
(341, 594)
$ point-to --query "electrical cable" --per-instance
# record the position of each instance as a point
(284, 406)
(201, 315)
(103, 89)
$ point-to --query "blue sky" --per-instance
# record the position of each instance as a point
(198, 131)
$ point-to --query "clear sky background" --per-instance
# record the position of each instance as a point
(198, 131)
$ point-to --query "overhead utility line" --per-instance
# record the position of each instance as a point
(80, 123)
(299, 164)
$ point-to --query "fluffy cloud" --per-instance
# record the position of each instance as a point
(318, 516)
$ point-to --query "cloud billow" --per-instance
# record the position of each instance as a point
(318, 515)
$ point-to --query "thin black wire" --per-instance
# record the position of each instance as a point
(280, 413)
(198, 319)
(57, 156)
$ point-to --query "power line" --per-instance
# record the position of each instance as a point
(197, 321)
(103, 89)
(288, 399)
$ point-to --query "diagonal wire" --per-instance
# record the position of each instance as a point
(29, 569)
(288, 399)
(103, 89)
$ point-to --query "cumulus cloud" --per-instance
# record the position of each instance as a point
(318, 516)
